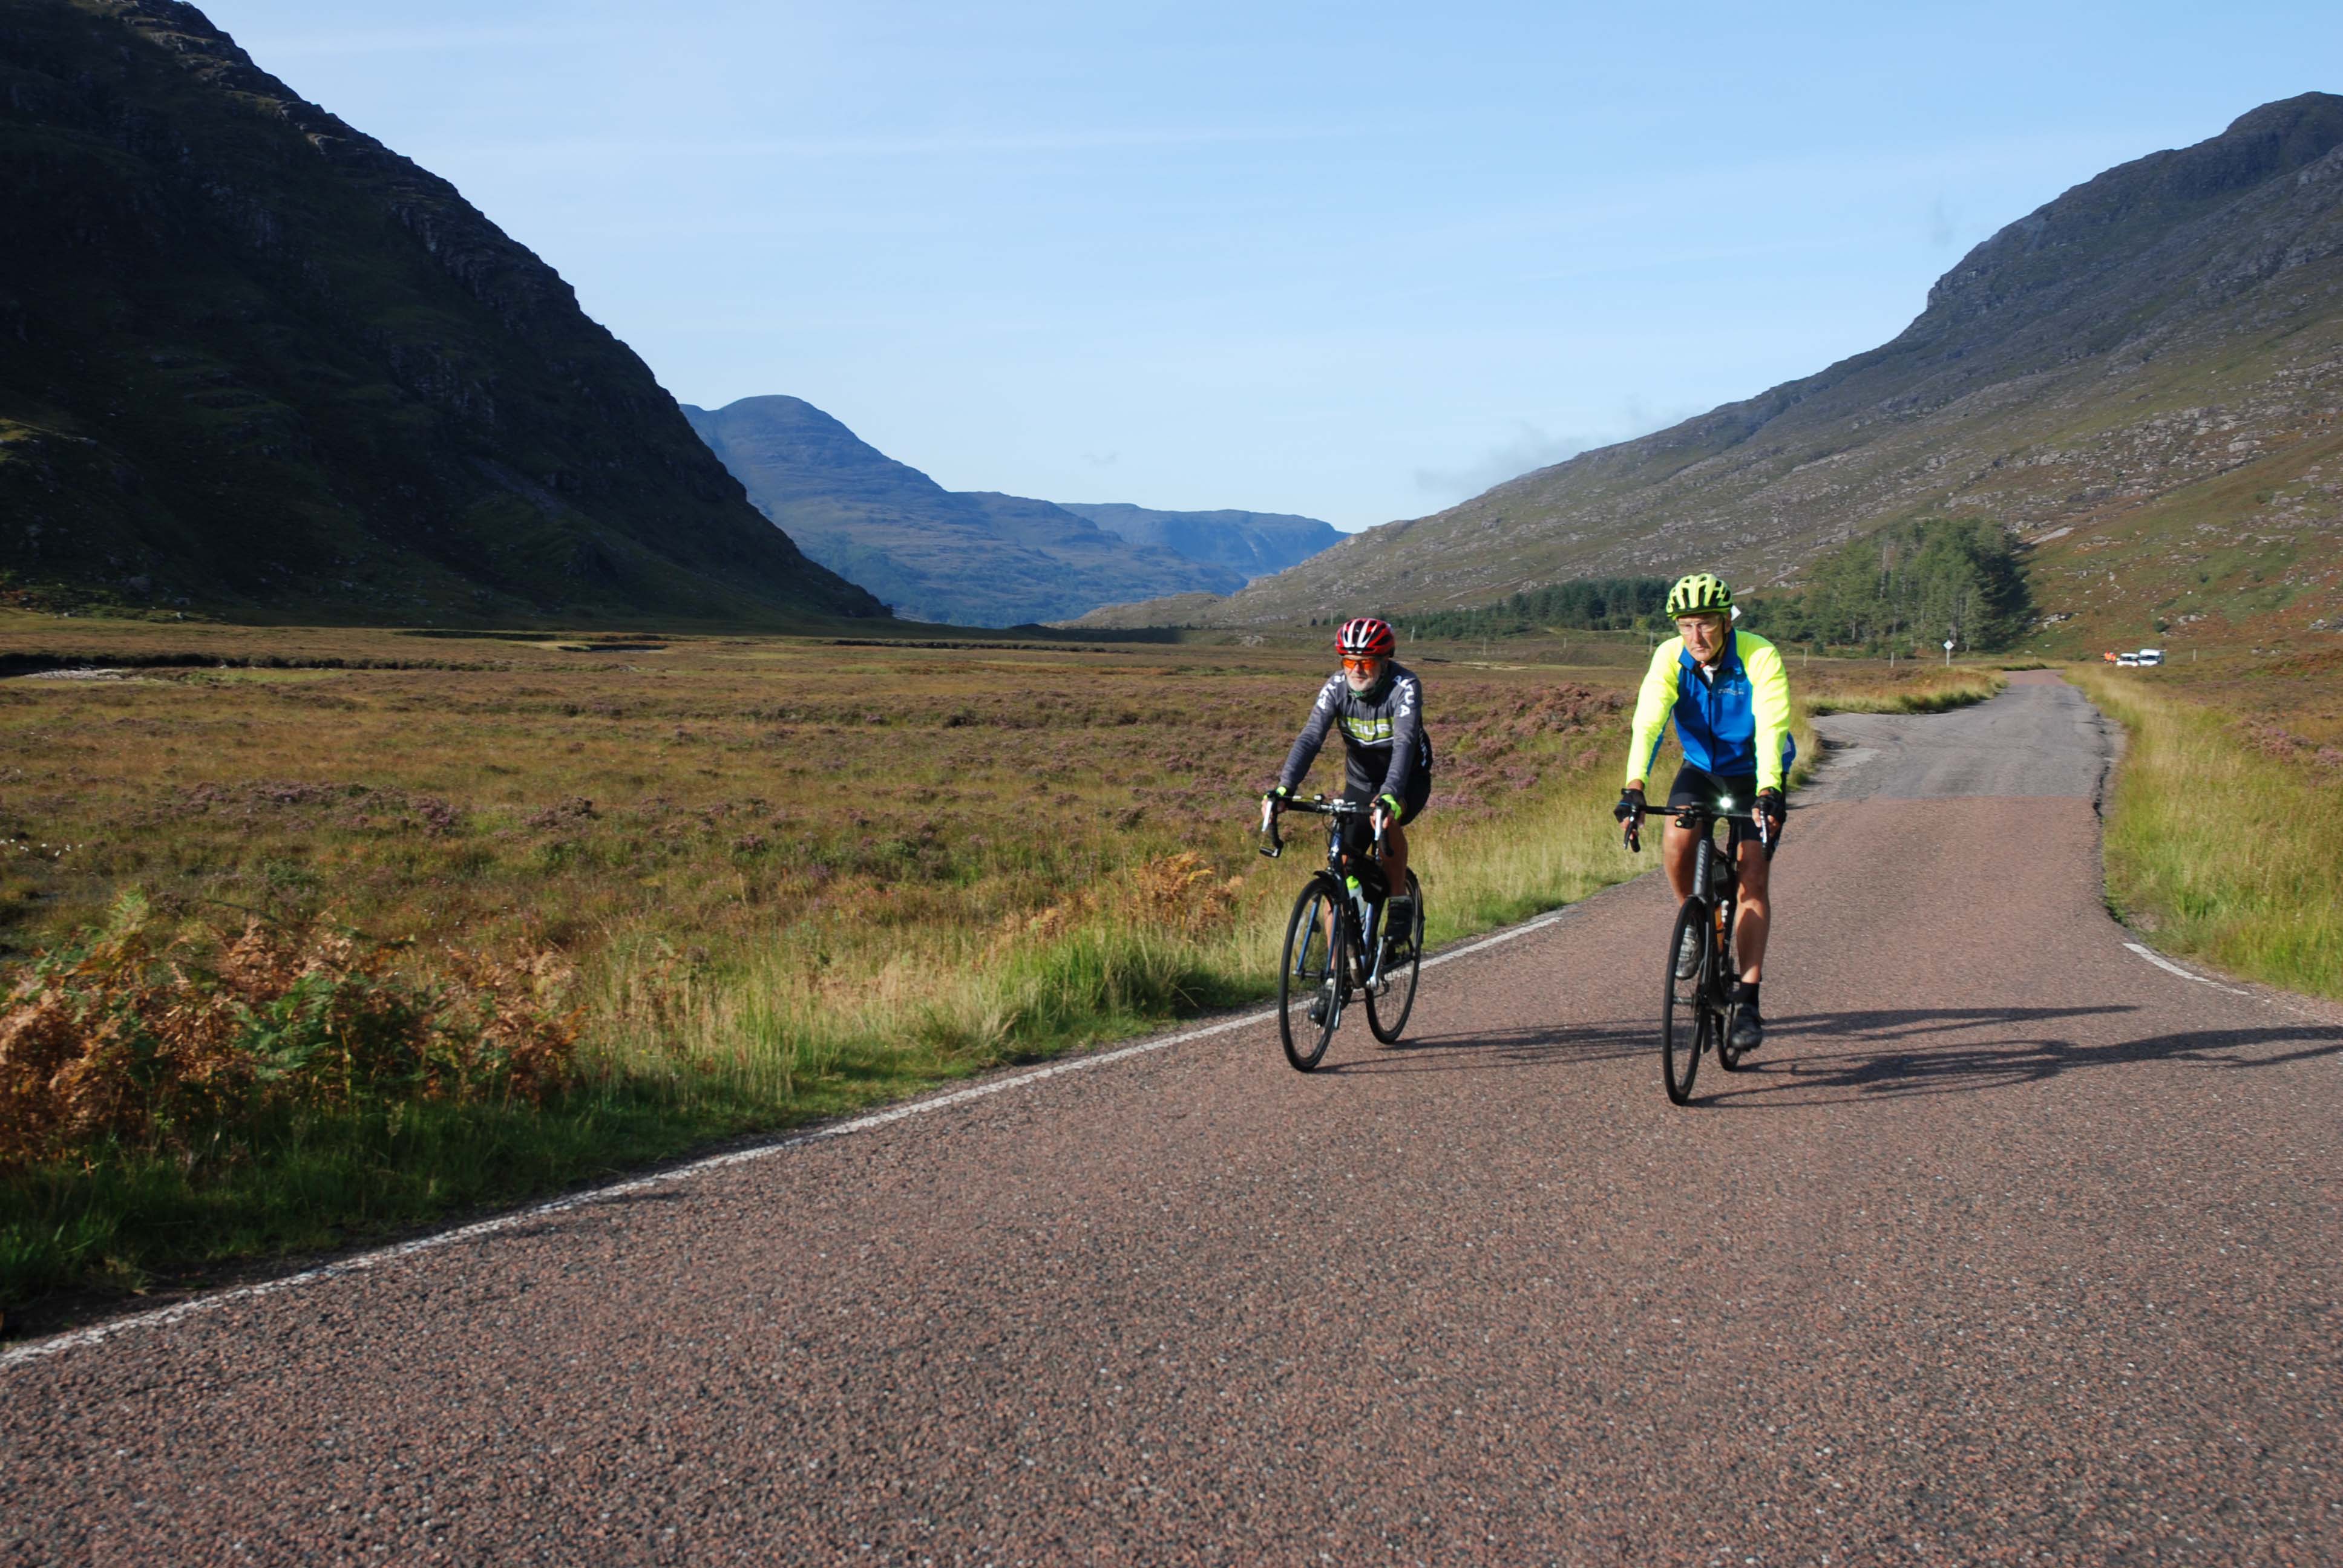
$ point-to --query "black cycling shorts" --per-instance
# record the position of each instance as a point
(1358, 833)
(1699, 787)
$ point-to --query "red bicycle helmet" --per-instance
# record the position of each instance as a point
(1368, 637)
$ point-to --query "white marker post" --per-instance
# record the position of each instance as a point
(1948, 653)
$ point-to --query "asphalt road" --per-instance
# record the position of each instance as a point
(2013, 1247)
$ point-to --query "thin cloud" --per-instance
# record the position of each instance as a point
(1528, 448)
(1942, 225)
(925, 145)
(422, 40)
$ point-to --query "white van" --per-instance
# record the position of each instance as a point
(2148, 656)
(2127, 659)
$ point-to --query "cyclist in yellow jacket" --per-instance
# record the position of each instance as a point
(1729, 693)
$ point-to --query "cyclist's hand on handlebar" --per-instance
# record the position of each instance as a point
(1771, 809)
(1629, 814)
(1385, 810)
(1273, 801)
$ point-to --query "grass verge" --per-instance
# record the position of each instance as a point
(2218, 848)
(1934, 691)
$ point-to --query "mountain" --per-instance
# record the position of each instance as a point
(1250, 544)
(2143, 378)
(973, 557)
(252, 362)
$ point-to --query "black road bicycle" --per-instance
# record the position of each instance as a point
(1698, 1012)
(1335, 944)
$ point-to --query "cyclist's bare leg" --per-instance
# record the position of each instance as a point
(1395, 856)
(1755, 913)
(1676, 852)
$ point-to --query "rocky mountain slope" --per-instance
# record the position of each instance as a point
(2144, 378)
(253, 362)
(1250, 544)
(975, 557)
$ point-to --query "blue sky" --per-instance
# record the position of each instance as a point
(1354, 260)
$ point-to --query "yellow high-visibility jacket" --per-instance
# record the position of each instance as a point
(1733, 720)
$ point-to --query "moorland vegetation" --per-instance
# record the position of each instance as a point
(345, 948)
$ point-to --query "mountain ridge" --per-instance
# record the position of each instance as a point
(2056, 379)
(974, 557)
(253, 362)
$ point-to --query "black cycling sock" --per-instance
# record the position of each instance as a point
(1744, 994)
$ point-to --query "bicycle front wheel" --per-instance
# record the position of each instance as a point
(1685, 1019)
(1310, 977)
(1403, 957)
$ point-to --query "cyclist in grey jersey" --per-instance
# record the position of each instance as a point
(1378, 706)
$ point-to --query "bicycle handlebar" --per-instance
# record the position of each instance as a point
(1317, 805)
(1693, 815)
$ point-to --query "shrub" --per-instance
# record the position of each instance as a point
(112, 1041)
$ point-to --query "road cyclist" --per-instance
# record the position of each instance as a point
(1376, 704)
(1728, 691)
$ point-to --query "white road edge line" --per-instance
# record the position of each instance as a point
(164, 1317)
(2160, 961)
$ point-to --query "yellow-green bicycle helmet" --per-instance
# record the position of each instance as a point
(1701, 593)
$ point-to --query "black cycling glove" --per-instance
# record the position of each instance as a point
(1773, 808)
(1630, 807)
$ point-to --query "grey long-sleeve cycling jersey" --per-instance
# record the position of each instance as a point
(1383, 740)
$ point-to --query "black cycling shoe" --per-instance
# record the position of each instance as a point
(1319, 1003)
(1399, 930)
(1748, 1031)
(1688, 953)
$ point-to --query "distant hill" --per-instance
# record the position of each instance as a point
(1250, 544)
(252, 362)
(974, 558)
(2144, 378)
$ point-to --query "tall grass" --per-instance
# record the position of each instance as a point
(2217, 849)
(815, 1017)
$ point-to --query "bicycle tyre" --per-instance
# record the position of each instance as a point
(1300, 977)
(1401, 993)
(1720, 993)
(1683, 1014)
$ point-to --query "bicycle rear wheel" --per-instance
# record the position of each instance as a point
(1684, 1026)
(1311, 975)
(1723, 972)
(1387, 1014)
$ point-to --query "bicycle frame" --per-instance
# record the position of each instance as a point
(1363, 940)
(1716, 874)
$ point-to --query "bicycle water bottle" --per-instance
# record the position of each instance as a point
(1364, 910)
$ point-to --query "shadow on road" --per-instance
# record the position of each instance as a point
(1894, 1053)
(1864, 1055)
(1488, 1051)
